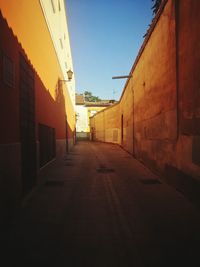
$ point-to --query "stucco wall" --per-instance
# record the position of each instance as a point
(111, 122)
(106, 125)
(98, 123)
(188, 65)
(155, 101)
(126, 118)
(34, 36)
(24, 34)
(158, 114)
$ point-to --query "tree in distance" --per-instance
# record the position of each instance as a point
(89, 97)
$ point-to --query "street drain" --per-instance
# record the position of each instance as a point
(105, 170)
(150, 181)
(54, 183)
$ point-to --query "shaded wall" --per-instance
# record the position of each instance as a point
(158, 115)
(188, 44)
(28, 23)
(21, 157)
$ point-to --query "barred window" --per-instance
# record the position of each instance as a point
(8, 71)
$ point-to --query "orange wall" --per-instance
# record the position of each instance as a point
(126, 110)
(155, 99)
(106, 124)
(28, 24)
(188, 44)
(34, 37)
(50, 111)
(9, 97)
(160, 104)
(189, 63)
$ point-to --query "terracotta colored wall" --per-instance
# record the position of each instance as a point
(49, 111)
(9, 97)
(25, 33)
(188, 43)
(127, 110)
(34, 37)
(155, 102)
(160, 104)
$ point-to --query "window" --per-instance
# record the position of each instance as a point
(53, 6)
(8, 71)
(61, 43)
(59, 8)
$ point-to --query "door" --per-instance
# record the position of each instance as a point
(122, 129)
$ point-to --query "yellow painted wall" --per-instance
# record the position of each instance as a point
(89, 114)
(112, 125)
(106, 124)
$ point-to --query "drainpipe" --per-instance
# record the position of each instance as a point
(176, 10)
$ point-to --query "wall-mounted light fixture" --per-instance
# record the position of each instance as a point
(69, 76)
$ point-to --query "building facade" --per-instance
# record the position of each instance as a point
(157, 118)
(37, 106)
(84, 111)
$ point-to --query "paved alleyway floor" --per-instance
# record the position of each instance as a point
(100, 207)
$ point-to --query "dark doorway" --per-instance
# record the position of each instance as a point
(27, 125)
(47, 144)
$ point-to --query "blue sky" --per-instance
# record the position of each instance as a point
(105, 37)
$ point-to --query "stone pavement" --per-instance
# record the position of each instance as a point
(100, 207)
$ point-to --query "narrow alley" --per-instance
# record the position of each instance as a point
(100, 207)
